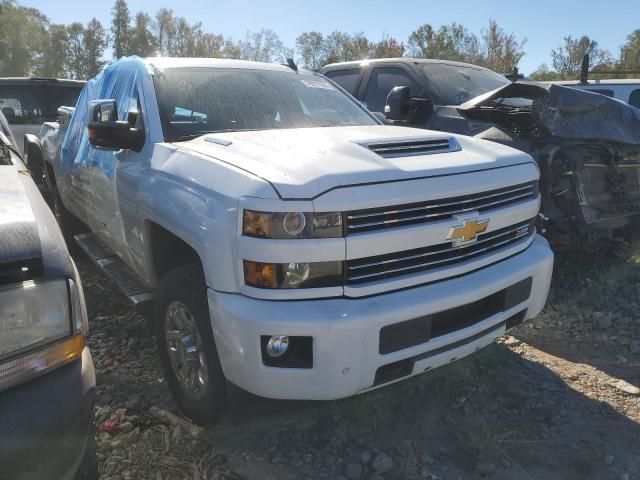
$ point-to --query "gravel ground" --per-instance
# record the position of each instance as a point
(557, 398)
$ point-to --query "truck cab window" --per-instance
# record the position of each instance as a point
(382, 81)
(347, 79)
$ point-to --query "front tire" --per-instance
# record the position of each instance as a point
(186, 345)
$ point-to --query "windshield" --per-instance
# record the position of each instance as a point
(455, 84)
(195, 101)
(35, 103)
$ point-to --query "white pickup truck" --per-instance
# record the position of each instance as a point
(289, 242)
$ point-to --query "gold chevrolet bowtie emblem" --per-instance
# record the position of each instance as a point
(468, 231)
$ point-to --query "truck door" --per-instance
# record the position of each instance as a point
(115, 179)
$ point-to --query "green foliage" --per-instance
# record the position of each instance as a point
(502, 50)
(630, 52)
(449, 42)
(54, 58)
(75, 50)
(22, 39)
(120, 28)
(31, 45)
(94, 43)
(567, 58)
(142, 40)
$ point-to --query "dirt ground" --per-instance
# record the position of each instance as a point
(556, 398)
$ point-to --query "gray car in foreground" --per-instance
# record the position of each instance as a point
(47, 381)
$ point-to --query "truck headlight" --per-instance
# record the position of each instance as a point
(288, 225)
(293, 275)
(38, 330)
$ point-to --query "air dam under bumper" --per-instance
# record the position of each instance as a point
(346, 331)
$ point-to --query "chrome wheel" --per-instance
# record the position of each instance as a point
(185, 350)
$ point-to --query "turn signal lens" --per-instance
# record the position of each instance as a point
(261, 275)
(40, 361)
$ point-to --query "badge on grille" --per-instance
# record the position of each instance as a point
(468, 230)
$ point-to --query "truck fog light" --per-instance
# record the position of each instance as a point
(277, 345)
(297, 273)
(294, 223)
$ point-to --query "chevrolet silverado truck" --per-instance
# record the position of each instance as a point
(47, 381)
(586, 145)
(289, 242)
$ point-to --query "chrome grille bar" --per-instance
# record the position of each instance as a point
(419, 260)
(424, 212)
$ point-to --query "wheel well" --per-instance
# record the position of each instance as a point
(168, 251)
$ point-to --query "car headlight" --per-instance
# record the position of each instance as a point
(41, 327)
(289, 225)
(293, 275)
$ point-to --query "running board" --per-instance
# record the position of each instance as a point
(127, 281)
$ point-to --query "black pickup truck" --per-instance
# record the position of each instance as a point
(47, 381)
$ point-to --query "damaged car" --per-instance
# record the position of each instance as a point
(586, 145)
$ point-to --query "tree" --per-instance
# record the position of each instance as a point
(185, 38)
(449, 42)
(388, 48)
(310, 46)
(231, 49)
(210, 45)
(262, 46)
(502, 51)
(75, 52)
(543, 74)
(165, 30)
(630, 52)
(567, 58)
(94, 43)
(120, 28)
(143, 42)
(22, 39)
(54, 54)
(343, 47)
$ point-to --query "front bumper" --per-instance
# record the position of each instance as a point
(346, 331)
(45, 423)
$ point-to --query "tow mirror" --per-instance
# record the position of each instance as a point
(398, 103)
(109, 133)
(401, 107)
(33, 158)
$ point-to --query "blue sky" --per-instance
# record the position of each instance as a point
(543, 23)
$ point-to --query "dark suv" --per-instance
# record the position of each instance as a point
(47, 381)
(586, 145)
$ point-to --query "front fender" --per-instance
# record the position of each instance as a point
(204, 219)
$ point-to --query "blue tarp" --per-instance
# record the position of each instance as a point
(120, 81)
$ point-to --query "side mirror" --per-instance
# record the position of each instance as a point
(64, 115)
(401, 107)
(33, 158)
(398, 104)
(109, 133)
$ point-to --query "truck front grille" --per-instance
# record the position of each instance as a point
(382, 267)
(373, 219)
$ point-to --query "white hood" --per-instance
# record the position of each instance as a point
(304, 163)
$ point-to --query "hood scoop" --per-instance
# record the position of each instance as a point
(413, 147)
